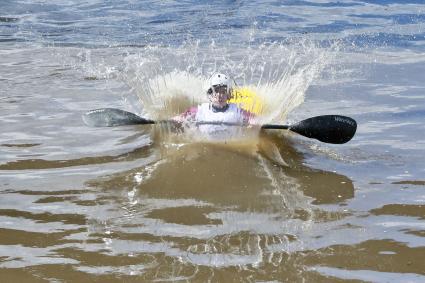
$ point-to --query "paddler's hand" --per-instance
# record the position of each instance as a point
(176, 125)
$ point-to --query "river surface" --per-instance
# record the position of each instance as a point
(141, 203)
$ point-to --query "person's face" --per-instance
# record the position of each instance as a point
(218, 96)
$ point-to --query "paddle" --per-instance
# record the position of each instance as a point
(334, 129)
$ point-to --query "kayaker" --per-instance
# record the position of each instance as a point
(218, 109)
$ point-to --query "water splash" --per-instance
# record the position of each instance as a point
(167, 79)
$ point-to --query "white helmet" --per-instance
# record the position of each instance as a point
(219, 79)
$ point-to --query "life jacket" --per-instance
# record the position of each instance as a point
(233, 114)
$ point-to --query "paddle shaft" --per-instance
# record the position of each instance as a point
(218, 123)
(275, 127)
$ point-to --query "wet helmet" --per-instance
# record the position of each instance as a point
(219, 80)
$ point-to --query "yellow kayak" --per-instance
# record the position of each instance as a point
(248, 100)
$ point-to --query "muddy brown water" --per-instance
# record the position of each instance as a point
(128, 204)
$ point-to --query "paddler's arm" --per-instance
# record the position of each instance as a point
(248, 117)
(188, 115)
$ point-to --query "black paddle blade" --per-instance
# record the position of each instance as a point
(109, 117)
(328, 128)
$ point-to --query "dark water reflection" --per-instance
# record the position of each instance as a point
(203, 210)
